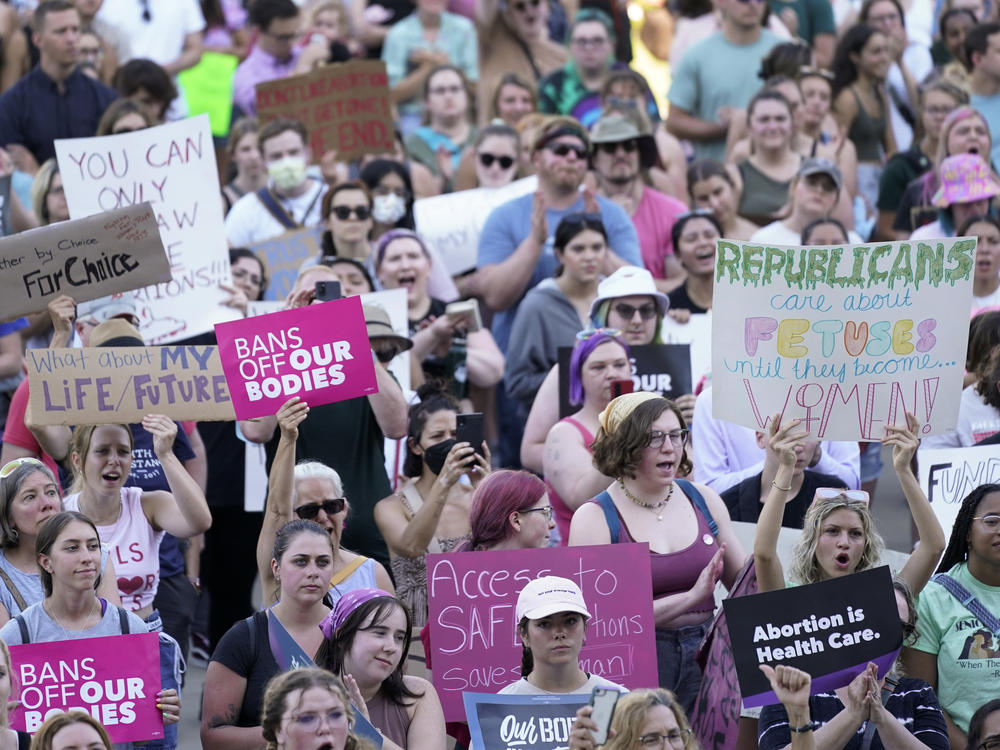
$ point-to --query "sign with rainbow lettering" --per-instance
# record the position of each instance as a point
(847, 339)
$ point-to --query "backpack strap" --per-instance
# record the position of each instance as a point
(969, 601)
(23, 627)
(123, 620)
(9, 583)
(610, 515)
(276, 210)
(699, 502)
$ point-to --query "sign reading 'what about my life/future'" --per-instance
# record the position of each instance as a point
(847, 339)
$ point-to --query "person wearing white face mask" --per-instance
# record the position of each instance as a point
(290, 200)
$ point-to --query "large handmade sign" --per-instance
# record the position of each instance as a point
(88, 258)
(948, 475)
(115, 679)
(471, 600)
(502, 722)
(847, 339)
(173, 168)
(831, 629)
(345, 107)
(319, 353)
(124, 383)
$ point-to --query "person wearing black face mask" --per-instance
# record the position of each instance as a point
(430, 512)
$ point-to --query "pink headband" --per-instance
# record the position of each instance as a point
(345, 605)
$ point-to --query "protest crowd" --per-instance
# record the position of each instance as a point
(429, 372)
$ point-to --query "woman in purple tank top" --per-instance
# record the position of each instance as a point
(692, 544)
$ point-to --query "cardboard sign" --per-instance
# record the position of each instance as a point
(173, 167)
(948, 475)
(115, 679)
(319, 352)
(659, 368)
(451, 223)
(345, 107)
(124, 383)
(846, 339)
(471, 600)
(117, 251)
(831, 630)
(283, 255)
(540, 722)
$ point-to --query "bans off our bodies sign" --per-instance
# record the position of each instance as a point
(847, 339)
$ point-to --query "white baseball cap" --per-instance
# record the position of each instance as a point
(548, 595)
(105, 308)
(626, 282)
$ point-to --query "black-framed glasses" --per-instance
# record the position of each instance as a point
(545, 510)
(363, 213)
(146, 15)
(330, 506)
(675, 737)
(991, 521)
(677, 438)
(564, 149)
(506, 162)
(990, 743)
(627, 311)
(630, 146)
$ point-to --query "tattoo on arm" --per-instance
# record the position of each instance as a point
(224, 719)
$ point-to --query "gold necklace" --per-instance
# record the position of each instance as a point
(62, 627)
(656, 508)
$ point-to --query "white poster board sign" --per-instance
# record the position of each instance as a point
(947, 475)
(847, 339)
(451, 223)
(698, 333)
(173, 167)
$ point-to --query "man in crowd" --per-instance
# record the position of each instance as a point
(275, 54)
(982, 49)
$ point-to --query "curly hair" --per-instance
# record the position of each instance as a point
(630, 715)
(619, 454)
(978, 720)
(958, 545)
(805, 566)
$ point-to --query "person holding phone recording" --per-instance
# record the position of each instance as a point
(430, 511)
(651, 719)
(552, 619)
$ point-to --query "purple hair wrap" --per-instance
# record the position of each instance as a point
(345, 605)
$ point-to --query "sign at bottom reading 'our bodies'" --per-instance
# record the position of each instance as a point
(115, 679)
(511, 722)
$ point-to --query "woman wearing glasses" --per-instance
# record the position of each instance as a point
(29, 495)
(497, 148)
(969, 571)
(599, 358)
(510, 510)
(347, 213)
(310, 491)
(984, 728)
(551, 314)
(646, 719)
(640, 442)
(430, 511)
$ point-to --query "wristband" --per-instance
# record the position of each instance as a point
(812, 726)
(783, 489)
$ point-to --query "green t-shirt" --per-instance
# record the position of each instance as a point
(968, 657)
(815, 16)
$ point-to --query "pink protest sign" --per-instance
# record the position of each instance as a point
(471, 599)
(319, 353)
(115, 679)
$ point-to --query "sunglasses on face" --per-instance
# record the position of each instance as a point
(344, 212)
(564, 149)
(506, 162)
(611, 149)
(331, 507)
(646, 312)
(11, 466)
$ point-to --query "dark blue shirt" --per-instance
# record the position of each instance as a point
(34, 113)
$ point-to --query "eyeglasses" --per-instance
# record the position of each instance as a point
(892, 18)
(990, 743)
(344, 212)
(311, 721)
(991, 521)
(565, 149)
(506, 162)
(611, 149)
(545, 511)
(242, 273)
(594, 42)
(521, 7)
(829, 493)
(627, 312)
(676, 738)
(331, 507)
(823, 182)
(11, 466)
(909, 632)
(589, 332)
(677, 438)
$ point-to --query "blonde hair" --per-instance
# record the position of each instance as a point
(630, 714)
(80, 445)
(805, 566)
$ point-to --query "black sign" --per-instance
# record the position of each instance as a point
(507, 722)
(830, 629)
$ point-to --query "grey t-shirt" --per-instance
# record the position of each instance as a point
(29, 585)
(42, 628)
(523, 687)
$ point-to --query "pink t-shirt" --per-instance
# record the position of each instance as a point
(135, 548)
(653, 219)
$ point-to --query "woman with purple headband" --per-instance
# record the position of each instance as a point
(367, 638)
(452, 348)
(599, 358)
